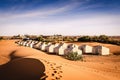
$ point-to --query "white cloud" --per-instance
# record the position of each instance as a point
(44, 12)
(87, 24)
(41, 13)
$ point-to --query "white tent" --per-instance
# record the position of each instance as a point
(67, 51)
(37, 45)
(42, 46)
(24, 43)
(60, 48)
(73, 48)
(32, 43)
(101, 50)
(51, 47)
(21, 42)
(28, 43)
(86, 48)
(46, 47)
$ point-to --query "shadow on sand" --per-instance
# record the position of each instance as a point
(22, 69)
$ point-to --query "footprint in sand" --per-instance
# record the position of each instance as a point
(54, 71)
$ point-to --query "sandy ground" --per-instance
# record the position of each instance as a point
(93, 67)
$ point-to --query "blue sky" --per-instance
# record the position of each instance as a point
(65, 17)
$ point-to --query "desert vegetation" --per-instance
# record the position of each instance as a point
(60, 38)
(73, 56)
(101, 39)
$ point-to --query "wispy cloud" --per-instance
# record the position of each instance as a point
(40, 12)
(45, 12)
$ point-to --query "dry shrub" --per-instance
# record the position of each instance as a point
(73, 56)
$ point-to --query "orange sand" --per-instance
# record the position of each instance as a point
(56, 67)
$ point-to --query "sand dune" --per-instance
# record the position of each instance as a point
(22, 69)
(56, 67)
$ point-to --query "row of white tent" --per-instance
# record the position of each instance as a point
(64, 48)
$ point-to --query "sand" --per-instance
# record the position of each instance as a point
(92, 67)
